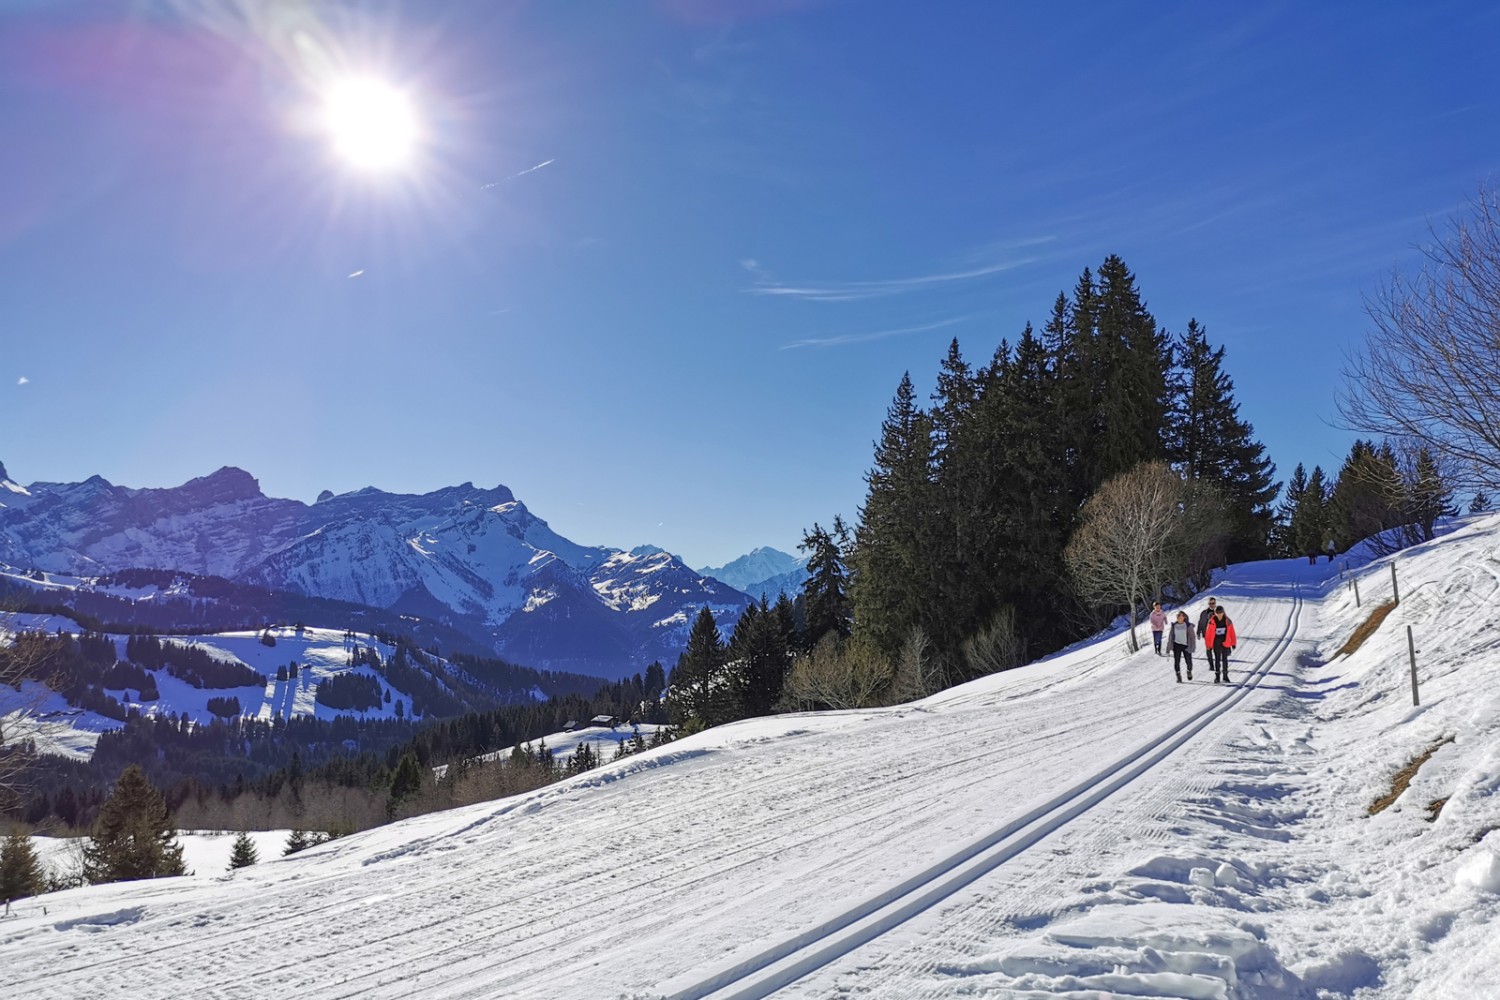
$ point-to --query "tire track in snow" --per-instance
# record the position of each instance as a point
(770, 969)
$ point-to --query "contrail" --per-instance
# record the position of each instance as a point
(512, 177)
(357, 273)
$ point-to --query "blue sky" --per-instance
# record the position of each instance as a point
(685, 327)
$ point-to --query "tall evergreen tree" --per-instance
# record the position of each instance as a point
(21, 872)
(1368, 496)
(825, 592)
(956, 524)
(1310, 526)
(1286, 514)
(406, 782)
(698, 691)
(893, 558)
(1023, 488)
(1210, 443)
(133, 837)
(1429, 497)
(762, 653)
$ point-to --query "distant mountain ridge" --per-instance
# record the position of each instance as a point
(470, 558)
(763, 570)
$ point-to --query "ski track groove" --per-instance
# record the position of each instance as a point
(972, 929)
(757, 977)
(539, 855)
(319, 916)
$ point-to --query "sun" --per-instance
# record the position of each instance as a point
(373, 125)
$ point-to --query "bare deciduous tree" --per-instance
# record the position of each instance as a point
(839, 673)
(20, 726)
(1430, 368)
(1140, 534)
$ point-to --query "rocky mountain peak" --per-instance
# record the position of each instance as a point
(227, 485)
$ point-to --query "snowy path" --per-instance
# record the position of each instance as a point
(791, 830)
(1077, 827)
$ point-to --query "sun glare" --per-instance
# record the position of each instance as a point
(372, 124)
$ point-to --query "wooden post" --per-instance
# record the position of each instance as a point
(1411, 651)
(1395, 590)
(1355, 581)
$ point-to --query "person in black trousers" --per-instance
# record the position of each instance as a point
(1183, 640)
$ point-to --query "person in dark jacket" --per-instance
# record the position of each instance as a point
(1218, 640)
(1183, 641)
(1205, 614)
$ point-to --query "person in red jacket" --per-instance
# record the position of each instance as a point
(1218, 640)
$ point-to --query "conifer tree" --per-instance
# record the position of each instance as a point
(1025, 486)
(1310, 526)
(825, 592)
(1210, 443)
(406, 782)
(1286, 513)
(763, 654)
(1368, 495)
(893, 558)
(21, 872)
(698, 691)
(243, 854)
(1480, 503)
(1429, 496)
(297, 840)
(133, 837)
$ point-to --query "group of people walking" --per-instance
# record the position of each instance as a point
(1215, 629)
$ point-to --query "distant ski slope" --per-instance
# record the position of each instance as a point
(1078, 826)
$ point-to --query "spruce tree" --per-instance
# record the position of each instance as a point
(894, 556)
(243, 854)
(1286, 513)
(406, 782)
(297, 840)
(825, 592)
(698, 691)
(21, 872)
(1368, 496)
(1026, 489)
(1479, 503)
(762, 652)
(133, 837)
(1429, 497)
(1310, 526)
(1210, 443)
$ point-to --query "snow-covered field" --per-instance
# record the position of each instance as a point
(1082, 827)
(318, 653)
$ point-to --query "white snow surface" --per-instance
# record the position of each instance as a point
(1083, 827)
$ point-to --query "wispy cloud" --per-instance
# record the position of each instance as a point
(22, 380)
(357, 273)
(845, 339)
(857, 291)
(519, 173)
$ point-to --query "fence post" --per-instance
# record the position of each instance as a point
(1395, 590)
(1411, 651)
(1355, 581)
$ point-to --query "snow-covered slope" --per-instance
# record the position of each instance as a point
(472, 558)
(1080, 827)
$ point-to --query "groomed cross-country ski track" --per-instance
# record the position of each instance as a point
(1048, 831)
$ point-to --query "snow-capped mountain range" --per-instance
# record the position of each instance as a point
(763, 570)
(473, 558)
